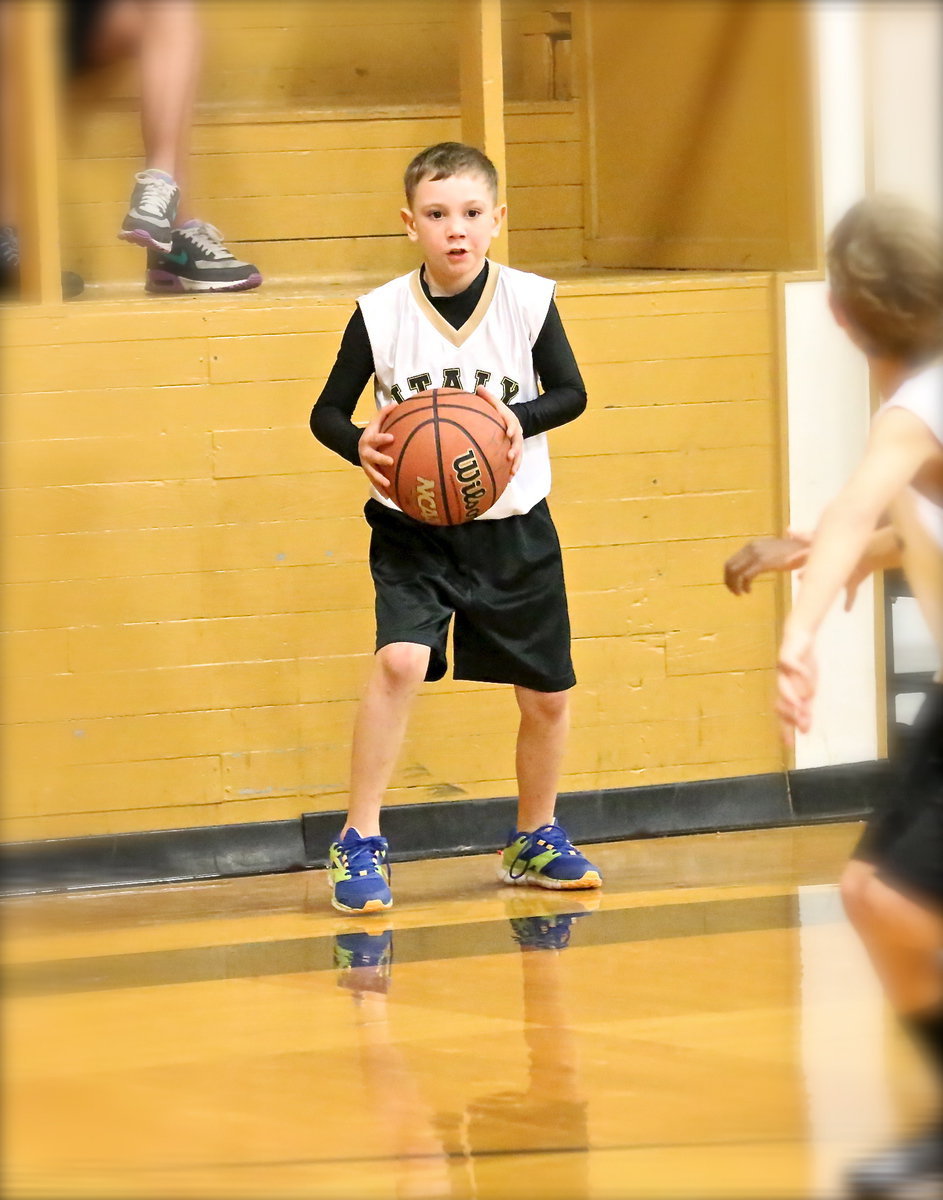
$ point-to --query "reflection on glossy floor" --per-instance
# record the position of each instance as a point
(705, 1028)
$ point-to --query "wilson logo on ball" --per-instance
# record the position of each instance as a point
(468, 473)
(450, 456)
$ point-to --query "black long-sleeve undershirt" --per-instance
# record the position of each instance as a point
(563, 398)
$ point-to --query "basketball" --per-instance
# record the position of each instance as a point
(450, 456)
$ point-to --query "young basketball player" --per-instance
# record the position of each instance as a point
(885, 266)
(460, 320)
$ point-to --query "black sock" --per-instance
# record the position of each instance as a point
(926, 1028)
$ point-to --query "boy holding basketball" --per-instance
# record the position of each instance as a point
(460, 320)
(885, 265)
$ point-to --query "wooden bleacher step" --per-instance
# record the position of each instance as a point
(316, 194)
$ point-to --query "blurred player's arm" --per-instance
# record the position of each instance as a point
(898, 446)
(882, 553)
(764, 554)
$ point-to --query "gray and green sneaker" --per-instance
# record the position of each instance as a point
(197, 261)
(546, 858)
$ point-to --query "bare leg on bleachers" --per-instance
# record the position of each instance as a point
(185, 254)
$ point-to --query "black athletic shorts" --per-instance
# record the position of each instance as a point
(904, 837)
(80, 21)
(503, 582)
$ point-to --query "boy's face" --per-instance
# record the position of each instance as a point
(454, 221)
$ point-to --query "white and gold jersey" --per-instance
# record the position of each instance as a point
(415, 348)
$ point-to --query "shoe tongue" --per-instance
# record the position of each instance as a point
(353, 836)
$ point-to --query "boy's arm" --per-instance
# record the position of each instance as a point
(564, 394)
(331, 421)
(763, 554)
(882, 552)
(899, 445)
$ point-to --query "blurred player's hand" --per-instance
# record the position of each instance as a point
(765, 554)
(511, 424)
(372, 458)
(796, 679)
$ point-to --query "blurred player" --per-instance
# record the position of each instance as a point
(885, 266)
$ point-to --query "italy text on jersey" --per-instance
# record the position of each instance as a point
(452, 378)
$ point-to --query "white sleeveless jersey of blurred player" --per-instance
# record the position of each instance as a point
(922, 396)
(415, 348)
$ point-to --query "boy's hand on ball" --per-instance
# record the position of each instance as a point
(511, 424)
(372, 458)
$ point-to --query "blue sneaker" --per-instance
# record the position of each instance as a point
(548, 859)
(359, 873)
(363, 960)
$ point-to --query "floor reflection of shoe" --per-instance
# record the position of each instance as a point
(548, 859)
(364, 960)
(913, 1168)
(547, 932)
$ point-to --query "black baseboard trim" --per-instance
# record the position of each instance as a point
(454, 827)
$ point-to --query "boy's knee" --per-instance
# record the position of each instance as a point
(854, 888)
(403, 664)
(543, 706)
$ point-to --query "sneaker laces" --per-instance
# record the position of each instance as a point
(364, 856)
(553, 834)
(207, 239)
(157, 195)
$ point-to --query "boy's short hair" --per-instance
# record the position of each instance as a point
(885, 268)
(445, 159)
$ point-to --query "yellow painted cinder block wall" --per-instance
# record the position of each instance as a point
(188, 606)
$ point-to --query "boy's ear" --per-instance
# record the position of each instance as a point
(410, 222)
(498, 218)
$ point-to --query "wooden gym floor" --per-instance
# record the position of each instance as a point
(707, 1027)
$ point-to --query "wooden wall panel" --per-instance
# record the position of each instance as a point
(699, 134)
(186, 591)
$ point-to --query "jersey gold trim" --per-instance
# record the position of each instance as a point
(458, 337)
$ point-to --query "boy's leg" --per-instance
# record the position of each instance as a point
(184, 254)
(358, 870)
(541, 742)
(904, 940)
(379, 729)
(165, 37)
(538, 851)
